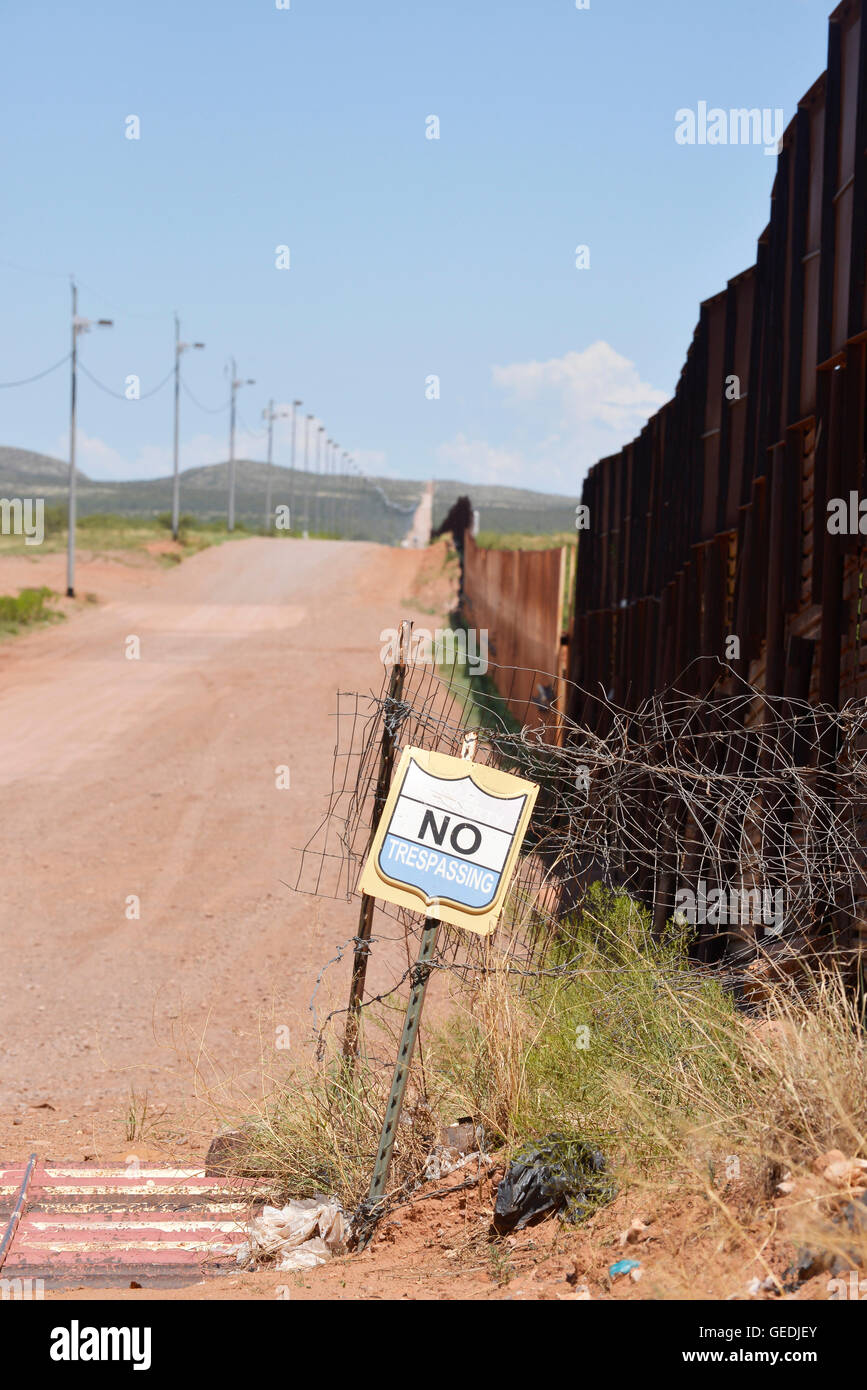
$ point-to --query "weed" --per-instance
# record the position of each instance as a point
(136, 1116)
(27, 608)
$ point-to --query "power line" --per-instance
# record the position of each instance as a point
(39, 375)
(32, 270)
(121, 395)
(255, 434)
(64, 275)
(119, 308)
(154, 389)
(209, 410)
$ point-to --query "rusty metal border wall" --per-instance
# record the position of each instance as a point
(712, 523)
(516, 596)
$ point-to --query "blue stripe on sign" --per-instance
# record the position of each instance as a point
(438, 875)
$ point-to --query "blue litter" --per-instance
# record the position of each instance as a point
(622, 1267)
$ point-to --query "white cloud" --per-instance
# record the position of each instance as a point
(103, 462)
(373, 463)
(595, 387)
(569, 411)
(475, 461)
(573, 410)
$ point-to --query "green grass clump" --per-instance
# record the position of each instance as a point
(616, 1025)
(26, 609)
(515, 540)
(102, 532)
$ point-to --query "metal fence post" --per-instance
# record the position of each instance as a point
(418, 978)
(365, 916)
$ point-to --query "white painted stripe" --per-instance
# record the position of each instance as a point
(166, 1173)
(23, 1245)
(127, 1189)
(169, 1224)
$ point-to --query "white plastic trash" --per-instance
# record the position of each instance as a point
(303, 1234)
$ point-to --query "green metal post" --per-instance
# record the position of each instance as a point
(418, 979)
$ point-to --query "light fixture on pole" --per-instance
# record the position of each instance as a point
(176, 482)
(78, 326)
(329, 456)
(270, 414)
(237, 383)
(337, 496)
(295, 405)
(306, 473)
(319, 512)
(334, 457)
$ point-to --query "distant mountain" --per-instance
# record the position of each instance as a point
(508, 509)
(375, 509)
(31, 468)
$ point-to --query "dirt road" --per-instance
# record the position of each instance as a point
(154, 779)
(422, 521)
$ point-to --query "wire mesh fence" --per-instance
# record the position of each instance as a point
(735, 818)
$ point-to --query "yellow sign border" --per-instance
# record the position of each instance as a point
(503, 785)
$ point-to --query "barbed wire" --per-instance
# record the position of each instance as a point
(733, 817)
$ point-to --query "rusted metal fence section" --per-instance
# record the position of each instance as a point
(725, 545)
(708, 533)
(516, 597)
(680, 803)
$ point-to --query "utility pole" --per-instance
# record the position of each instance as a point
(329, 459)
(78, 326)
(306, 474)
(237, 383)
(335, 466)
(320, 500)
(70, 543)
(270, 414)
(295, 405)
(335, 495)
(176, 482)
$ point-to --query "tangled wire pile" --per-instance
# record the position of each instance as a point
(740, 815)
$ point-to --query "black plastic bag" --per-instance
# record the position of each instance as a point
(556, 1174)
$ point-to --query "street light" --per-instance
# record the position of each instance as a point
(319, 507)
(306, 473)
(329, 462)
(237, 383)
(79, 326)
(176, 483)
(337, 494)
(295, 405)
(270, 414)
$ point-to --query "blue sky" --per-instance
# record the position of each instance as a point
(410, 257)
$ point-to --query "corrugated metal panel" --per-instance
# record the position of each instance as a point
(754, 468)
(105, 1227)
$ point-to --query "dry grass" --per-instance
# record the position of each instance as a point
(310, 1125)
(699, 1106)
(690, 1098)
